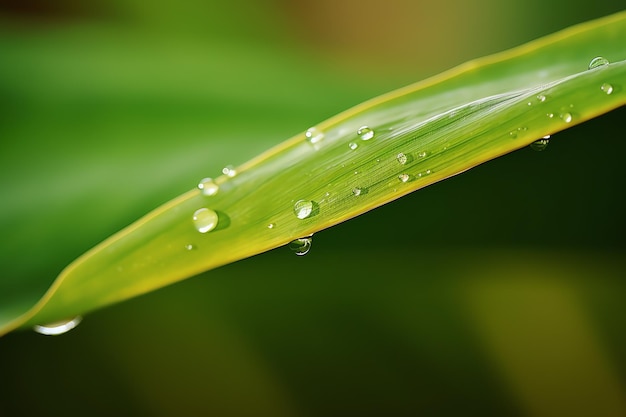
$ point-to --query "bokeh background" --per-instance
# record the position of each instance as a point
(497, 292)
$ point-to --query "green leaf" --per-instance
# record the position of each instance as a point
(363, 158)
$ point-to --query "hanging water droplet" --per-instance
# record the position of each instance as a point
(353, 145)
(208, 186)
(541, 98)
(607, 88)
(365, 133)
(229, 171)
(314, 135)
(404, 177)
(566, 117)
(301, 246)
(402, 158)
(304, 208)
(205, 220)
(357, 191)
(598, 62)
(190, 246)
(541, 144)
(59, 327)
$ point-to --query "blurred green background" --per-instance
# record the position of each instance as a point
(497, 292)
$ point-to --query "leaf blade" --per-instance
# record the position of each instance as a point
(458, 120)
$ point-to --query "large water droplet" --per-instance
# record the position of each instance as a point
(205, 220)
(208, 186)
(607, 88)
(301, 246)
(314, 135)
(541, 144)
(365, 133)
(59, 327)
(229, 171)
(304, 208)
(566, 117)
(598, 62)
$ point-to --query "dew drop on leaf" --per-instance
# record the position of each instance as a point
(353, 145)
(301, 246)
(304, 208)
(59, 327)
(208, 186)
(598, 62)
(205, 220)
(566, 117)
(404, 177)
(541, 144)
(229, 171)
(607, 88)
(402, 158)
(314, 135)
(365, 133)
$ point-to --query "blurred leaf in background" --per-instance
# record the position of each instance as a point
(499, 291)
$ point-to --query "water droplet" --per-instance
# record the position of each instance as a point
(541, 98)
(541, 144)
(229, 171)
(301, 246)
(208, 186)
(59, 327)
(271, 225)
(190, 246)
(550, 115)
(402, 158)
(314, 135)
(598, 62)
(607, 88)
(353, 145)
(404, 177)
(428, 172)
(566, 117)
(365, 133)
(513, 134)
(357, 191)
(205, 220)
(304, 208)
(529, 103)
